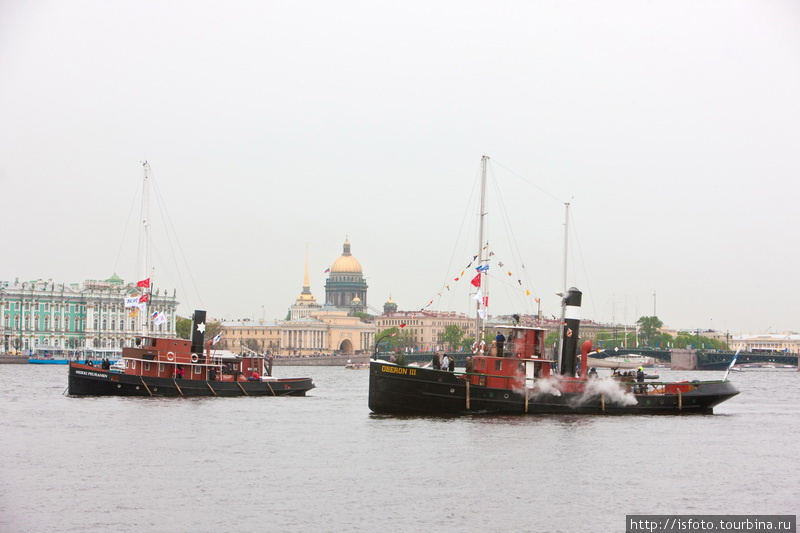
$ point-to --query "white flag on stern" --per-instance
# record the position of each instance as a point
(733, 362)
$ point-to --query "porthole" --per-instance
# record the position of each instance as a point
(505, 396)
(137, 387)
(155, 389)
(452, 391)
(119, 386)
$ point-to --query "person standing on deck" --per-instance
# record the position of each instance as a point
(500, 340)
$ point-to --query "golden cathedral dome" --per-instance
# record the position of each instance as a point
(346, 263)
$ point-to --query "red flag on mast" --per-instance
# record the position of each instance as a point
(476, 280)
(144, 283)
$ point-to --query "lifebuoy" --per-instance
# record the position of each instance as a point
(478, 347)
(170, 356)
(194, 358)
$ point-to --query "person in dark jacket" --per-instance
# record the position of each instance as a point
(640, 379)
(499, 341)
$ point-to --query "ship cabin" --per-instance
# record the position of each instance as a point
(521, 357)
(175, 358)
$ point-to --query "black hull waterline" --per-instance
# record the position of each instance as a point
(420, 391)
(97, 382)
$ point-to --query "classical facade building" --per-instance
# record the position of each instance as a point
(770, 342)
(263, 336)
(426, 327)
(311, 329)
(327, 331)
(346, 288)
(323, 332)
(43, 315)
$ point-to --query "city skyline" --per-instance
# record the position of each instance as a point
(670, 129)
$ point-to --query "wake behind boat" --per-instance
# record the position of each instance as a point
(179, 367)
(515, 376)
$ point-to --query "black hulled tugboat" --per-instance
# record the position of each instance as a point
(516, 376)
(179, 367)
(521, 380)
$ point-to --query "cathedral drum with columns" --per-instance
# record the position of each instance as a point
(346, 288)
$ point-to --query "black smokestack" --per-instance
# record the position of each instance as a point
(569, 334)
(198, 332)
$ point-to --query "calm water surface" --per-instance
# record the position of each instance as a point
(324, 463)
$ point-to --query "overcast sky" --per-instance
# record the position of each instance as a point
(671, 127)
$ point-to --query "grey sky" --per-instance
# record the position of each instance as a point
(672, 127)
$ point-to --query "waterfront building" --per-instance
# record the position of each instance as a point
(327, 331)
(425, 327)
(46, 316)
(770, 342)
(346, 287)
(311, 329)
(263, 336)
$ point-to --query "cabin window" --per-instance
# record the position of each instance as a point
(197, 369)
(133, 365)
(147, 366)
(161, 367)
(126, 364)
(498, 365)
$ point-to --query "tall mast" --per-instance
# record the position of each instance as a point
(144, 235)
(481, 217)
(564, 285)
(566, 244)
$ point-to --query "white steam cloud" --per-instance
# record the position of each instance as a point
(612, 389)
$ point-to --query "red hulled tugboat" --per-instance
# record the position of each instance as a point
(178, 367)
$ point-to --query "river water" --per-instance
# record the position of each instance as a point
(323, 463)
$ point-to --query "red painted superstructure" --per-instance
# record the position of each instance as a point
(524, 358)
(167, 358)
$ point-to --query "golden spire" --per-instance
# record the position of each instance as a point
(306, 284)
